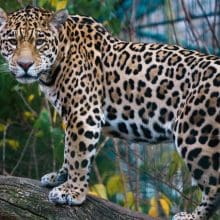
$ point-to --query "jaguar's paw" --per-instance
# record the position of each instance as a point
(64, 194)
(184, 216)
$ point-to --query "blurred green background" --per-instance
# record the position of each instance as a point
(151, 179)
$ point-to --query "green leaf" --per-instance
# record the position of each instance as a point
(2, 127)
(114, 185)
(43, 122)
(176, 163)
(130, 199)
(99, 190)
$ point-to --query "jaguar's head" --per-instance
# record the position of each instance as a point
(29, 41)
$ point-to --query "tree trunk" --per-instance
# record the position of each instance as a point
(22, 198)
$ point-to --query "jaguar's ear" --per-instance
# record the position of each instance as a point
(59, 18)
(3, 17)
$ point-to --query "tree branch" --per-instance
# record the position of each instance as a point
(22, 198)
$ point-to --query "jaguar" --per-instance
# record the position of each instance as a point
(141, 92)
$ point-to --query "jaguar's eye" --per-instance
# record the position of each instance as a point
(39, 42)
(13, 41)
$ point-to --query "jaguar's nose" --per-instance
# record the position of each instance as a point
(25, 65)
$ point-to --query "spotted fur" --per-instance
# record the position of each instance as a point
(137, 91)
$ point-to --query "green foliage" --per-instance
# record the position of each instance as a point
(10, 5)
(115, 185)
(43, 123)
(102, 11)
(58, 137)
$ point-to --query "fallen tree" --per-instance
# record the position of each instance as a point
(22, 198)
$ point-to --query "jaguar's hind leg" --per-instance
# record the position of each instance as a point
(197, 139)
(210, 202)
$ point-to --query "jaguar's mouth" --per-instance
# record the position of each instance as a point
(26, 78)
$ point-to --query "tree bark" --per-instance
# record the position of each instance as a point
(22, 198)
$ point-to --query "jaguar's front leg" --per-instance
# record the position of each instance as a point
(80, 140)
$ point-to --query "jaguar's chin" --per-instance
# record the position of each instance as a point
(27, 79)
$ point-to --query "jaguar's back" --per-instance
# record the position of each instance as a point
(147, 85)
